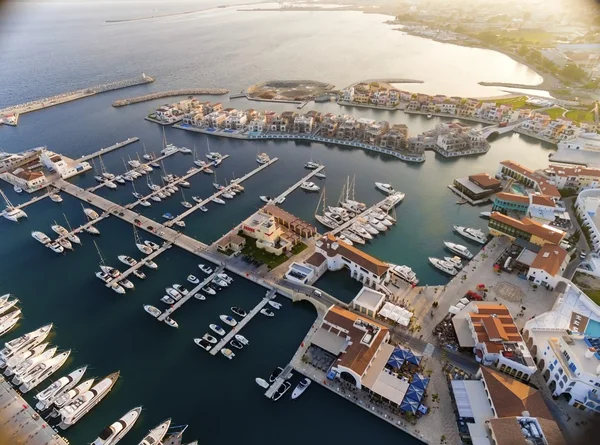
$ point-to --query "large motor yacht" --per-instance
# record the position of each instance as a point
(444, 266)
(112, 434)
(156, 435)
(472, 234)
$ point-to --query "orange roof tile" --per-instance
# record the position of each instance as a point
(543, 184)
(549, 259)
(550, 234)
(353, 254)
(485, 179)
(512, 197)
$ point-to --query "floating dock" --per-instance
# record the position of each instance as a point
(361, 215)
(106, 150)
(286, 374)
(33, 200)
(297, 184)
(139, 264)
(243, 322)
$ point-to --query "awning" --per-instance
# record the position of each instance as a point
(328, 341)
(412, 358)
(419, 381)
(409, 405)
(395, 362)
(454, 310)
(415, 393)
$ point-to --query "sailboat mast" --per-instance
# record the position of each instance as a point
(68, 224)
(353, 186)
(102, 262)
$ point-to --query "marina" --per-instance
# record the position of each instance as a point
(107, 150)
(285, 194)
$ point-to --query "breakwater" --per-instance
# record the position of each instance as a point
(184, 92)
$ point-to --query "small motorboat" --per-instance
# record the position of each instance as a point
(127, 260)
(138, 273)
(179, 288)
(239, 311)
(301, 387)
(55, 197)
(266, 199)
(167, 300)
(65, 243)
(197, 199)
(281, 391)
(203, 344)
(126, 283)
(310, 186)
(236, 344)
(151, 264)
(155, 312)
(218, 201)
(228, 195)
(209, 290)
(55, 247)
(173, 293)
(209, 338)
(186, 204)
(145, 203)
(199, 296)
(179, 223)
(320, 175)
(220, 282)
(223, 276)
(170, 322)
(485, 215)
(275, 374)
(243, 340)
(137, 195)
(228, 353)
(92, 230)
(168, 216)
(192, 279)
(204, 209)
(217, 329)
(228, 319)
(205, 269)
(110, 185)
(261, 382)
(155, 198)
(267, 312)
(117, 288)
(455, 260)
(274, 304)
(152, 245)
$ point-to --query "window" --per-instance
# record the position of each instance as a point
(564, 378)
(560, 371)
(572, 384)
(551, 367)
(561, 384)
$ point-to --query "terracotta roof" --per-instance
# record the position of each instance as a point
(316, 259)
(511, 397)
(543, 184)
(528, 225)
(353, 254)
(549, 259)
(231, 238)
(293, 221)
(542, 200)
(512, 197)
(574, 171)
(484, 179)
(28, 175)
(357, 355)
(492, 322)
(507, 431)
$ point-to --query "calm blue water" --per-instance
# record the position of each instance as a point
(48, 48)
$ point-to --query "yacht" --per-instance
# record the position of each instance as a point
(117, 288)
(179, 223)
(127, 260)
(208, 170)
(228, 319)
(145, 203)
(155, 312)
(13, 214)
(91, 214)
(55, 247)
(310, 186)
(262, 158)
(239, 311)
(64, 243)
(444, 266)
(143, 248)
(183, 184)
(327, 222)
(197, 199)
(267, 312)
(47, 396)
(209, 338)
(220, 282)
(301, 387)
(112, 434)
(179, 288)
(217, 200)
(353, 237)
(186, 204)
(385, 188)
(311, 165)
(228, 195)
(126, 283)
(99, 178)
(225, 277)
(406, 273)
(276, 373)
(9, 321)
(204, 209)
(281, 391)
(346, 240)
(274, 304)
(203, 344)
(320, 175)
(192, 279)
(199, 296)
(173, 293)
(141, 275)
(208, 290)
(243, 340)
(23, 368)
(265, 198)
(170, 322)
(167, 300)
(205, 269)
(45, 371)
(59, 230)
(154, 164)
(214, 156)
(217, 329)
(26, 340)
(368, 227)
(236, 344)
(152, 245)
(68, 396)
(8, 305)
(110, 185)
(228, 353)
(156, 198)
(185, 150)
(485, 215)
(156, 435)
(261, 382)
(360, 230)
(15, 359)
(120, 179)
(41, 237)
(137, 195)
(472, 234)
(134, 163)
(55, 197)
(150, 264)
(455, 261)
(92, 230)
(376, 224)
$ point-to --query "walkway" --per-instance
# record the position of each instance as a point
(140, 263)
(361, 215)
(103, 151)
(243, 322)
(286, 374)
(297, 184)
(33, 200)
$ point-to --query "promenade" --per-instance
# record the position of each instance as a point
(184, 92)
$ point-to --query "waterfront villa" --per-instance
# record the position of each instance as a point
(269, 235)
(585, 142)
(529, 178)
(526, 229)
(489, 329)
(477, 187)
(548, 266)
(494, 409)
(573, 177)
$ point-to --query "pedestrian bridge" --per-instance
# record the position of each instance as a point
(486, 132)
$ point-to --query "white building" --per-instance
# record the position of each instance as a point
(236, 120)
(56, 163)
(585, 141)
(348, 94)
(548, 266)
(368, 302)
(586, 207)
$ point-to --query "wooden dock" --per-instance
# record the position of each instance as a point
(139, 264)
(297, 184)
(286, 374)
(243, 322)
(33, 200)
(190, 294)
(106, 150)
(361, 215)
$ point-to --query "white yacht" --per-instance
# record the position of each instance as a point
(15, 359)
(41, 237)
(46, 370)
(205, 269)
(455, 261)
(320, 175)
(13, 214)
(126, 283)
(217, 200)
(261, 382)
(274, 304)
(127, 260)
(79, 407)
(23, 369)
(110, 185)
(8, 305)
(150, 264)
(368, 227)
(56, 247)
(444, 266)
(112, 434)
(170, 322)
(173, 293)
(385, 188)
(138, 273)
(167, 300)
(46, 397)
(311, 165)
(298, 390)
(7, 322)
(120, 179)
(152, 245)
(267, 312)
(406, 273)
(353, 237)
(360, 231)
(472, 234)
(217, 329)
(209, 290)
(193, 279)
(310, 186)
(228, 319)
(204, 209)
(26, 340)
(243, 340)
(143, 248)
(179, 288)
(17, 189)
(227, 195)
(199, 296)
(92, 230)
(70, 395)
(209, 338)
(375, 223)
(228, 353)
(262, 158)
(203, 344)
(55, 197)
(156, 435)
(327, 222)
(179, 223)
(145, 203)
(91, 214)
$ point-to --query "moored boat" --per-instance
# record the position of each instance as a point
(301, 387)
(112, 434)
(444, 266)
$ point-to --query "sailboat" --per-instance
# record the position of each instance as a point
(167, 148)
(109, 274)
(135, 193)
(310, 164)
(212, 155)
(184, 203)
(71, 236)
(138, 243)
(146, 156)
(105, 174)
(197, 161)
(166, 177)
(11, 212)
(326, 221)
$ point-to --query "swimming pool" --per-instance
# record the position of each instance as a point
(518, 188)
(593, 329)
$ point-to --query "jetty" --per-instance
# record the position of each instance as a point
(299, 183)
(40, 104)
(33, 200)
(285, 374)
(139, 264)
(243, 322)
(106, 150)
(351, 221)
(170, 93)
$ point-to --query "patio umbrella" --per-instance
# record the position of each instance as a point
(414, 393)
(399, 352)
(412, 358)
(395, 362)
(409, 405)
(419, 381)
(385, 313)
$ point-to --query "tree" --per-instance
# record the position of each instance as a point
(573, 72)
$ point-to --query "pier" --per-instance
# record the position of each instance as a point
(220, 192)
(286, 374)
(243, 322)
(139, 264)
(39, 104)
(170, 93)
(20, 424)
(33, 200)
(361, 215)
(105, 150)
(297, 184)
(190, 294)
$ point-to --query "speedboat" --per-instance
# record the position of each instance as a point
(167, 300)
(238, 311)
(179, 223)
(243, 340)
(203, 344)
(152, 245)
(281, 391)
(197, 199)
(155, 198)
(179, 288)
(300, 388)
(170, 322)
(228, 319)
(110, 185)
(55, 247)
(228, 353)
(141, 275)
(459, 250)
(236, 344)
(145, 203)
(120, 179)
(261, 382)
(274, 304)
(385, 188)
(310, 186)
(472, 234)
(205, 269)
(455, 261)
(151, 264)
(225, 277)
(17, 189)
(127, 260)
(155, 312)
(204, 209)
(209, 290)
(41, 237)
(217, 200)
(168, 216)
(263, 158)
(485, 215)
(444, 266)
(92, 230)
(91, 214)
(192, 279)
(199, 296)
(137, 195)
(267, 312)
(55, 197)
(126, 283)
(360, 231)
(112, 434)
(184, 184)
(311, 165)
(220, 282)
(65, 243)
(186, 204)
(228, 195)
(143, 248)
(345, 239)
(117, 288)
(209, 338)
(173, 293)
(320, 175)
(156, 435)
(217, 329)
(266, 199)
